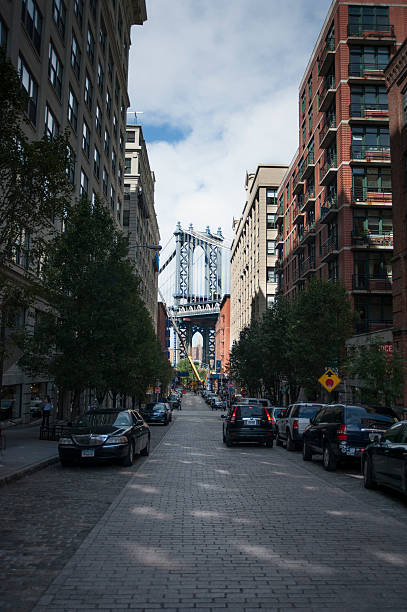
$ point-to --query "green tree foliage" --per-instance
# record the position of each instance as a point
(380, 374)
(184, 365)
(96, 332)
(246, 358)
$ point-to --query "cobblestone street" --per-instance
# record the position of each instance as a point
(198, 526)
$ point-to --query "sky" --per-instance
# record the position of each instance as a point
(217, 82)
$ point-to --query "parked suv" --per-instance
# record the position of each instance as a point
(340, 432)
(291, 425)
(248, 423)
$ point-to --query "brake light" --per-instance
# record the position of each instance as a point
(269, 418)
(341, 434)
(233, 417)
(295, 424)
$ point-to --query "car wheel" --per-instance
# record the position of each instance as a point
(306, 452)
(129, 458)
(290, 442)
(223, 436)
(146, 450)
(368, 480)
(228, 441)
(328, 459)
(279, 441)
(269, 443)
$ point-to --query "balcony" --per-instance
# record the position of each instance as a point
(309, 232)
(298, 183)
(297, 214)
(329, 248)
(369, 154)
(372, 325)
(367, 70)
(327, 56)
(329, 208)
(298, 239)
(327, 94)
(308, 266)
(308, 166)
(279, 214)
(367, 282)
(371, 196)
(383, 33)
(327, 131)
(367, 239)
(368, 113)
(279, 240)
(328, 170)
(309, 197)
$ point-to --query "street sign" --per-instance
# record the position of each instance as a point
(157, 390)
(329, 380)
(230, 389)
(149, 391)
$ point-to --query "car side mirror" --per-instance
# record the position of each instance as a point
(223, 416)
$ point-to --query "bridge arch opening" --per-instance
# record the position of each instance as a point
(197, 346)
(198, 275)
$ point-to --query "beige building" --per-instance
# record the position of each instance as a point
(253, 253)
(72, 56)
(139, 217)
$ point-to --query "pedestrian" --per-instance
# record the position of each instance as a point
(46, 411)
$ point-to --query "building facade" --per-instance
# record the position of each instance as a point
(335, 204)
(139, 217)
(222, 337)
(72, 57)
(253, 251)
(163, 329)
(396, 82)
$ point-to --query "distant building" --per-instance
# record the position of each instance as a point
(253, 252)
(163, 329)
(396, 82)
(222, 336)
(196, 353)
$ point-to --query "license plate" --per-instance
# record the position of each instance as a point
(88, 452)
(251, 421)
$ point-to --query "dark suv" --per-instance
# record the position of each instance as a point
(248, 423)
(340, 432)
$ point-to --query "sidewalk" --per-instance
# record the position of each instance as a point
(25, 453)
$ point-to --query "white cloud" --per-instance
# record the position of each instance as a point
(228, 71)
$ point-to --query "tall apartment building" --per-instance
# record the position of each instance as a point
(72, 57)
(139, 218)
(253, 251)
(396, 82)
(335, 203)
(222, 336)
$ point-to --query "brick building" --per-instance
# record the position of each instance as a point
(396, 83)
(222, 336)
(334, 216)
(163, 329)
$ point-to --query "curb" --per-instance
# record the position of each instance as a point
(29, 469)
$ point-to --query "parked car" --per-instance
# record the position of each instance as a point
(248, 423)
(157, 412)
(291, 424)
(384, 461)
(276, 412)
(105, 435)
(218, 404)
(174, 401)
(340, 432)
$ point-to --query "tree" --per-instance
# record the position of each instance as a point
(380, 374)
(95, 332)
(184, 365)
(322, 320)
(246, 363)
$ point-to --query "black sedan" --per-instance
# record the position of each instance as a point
(159, 412)
(384, 461)
(105, 434)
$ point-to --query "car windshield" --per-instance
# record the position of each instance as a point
(368, 417)
(277, 412)
(247, 412)
(96, 419)
(159, 408)
(307, 412)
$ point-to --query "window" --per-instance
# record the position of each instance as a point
(304, 134)
(120, 175)
(110, 65)
(112, 197)
(32, 20)
(367, 58)
(101, 76)
(121, 142)
(310, 121)
(93, 7)
(107, 142)
(3, 34)
(71, 165)
(108, 103)
(126, 218)
(55, 69)
(269, 301)
(117, 91)
(78, 10)
(31, 87)
(271, 221)
(72, 109)
(86, 139)
(99, 120)
(271, 275)
(310, 88)
(372, 138)
(123, 110)
(84, 183)
(368, 18)
(115, 124)
(90, 46)
(59, 13)
(96, 162)
(114, 162)
(88, 94)
(130, 137)
(271, 247)
(127, 165)
(105, 181)
(271, 195)
(76, 56)
(51, 124)
(303, 102)
(102, 37)
(367, 98)
(120, 24)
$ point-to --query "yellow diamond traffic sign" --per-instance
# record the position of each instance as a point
(329, 380)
